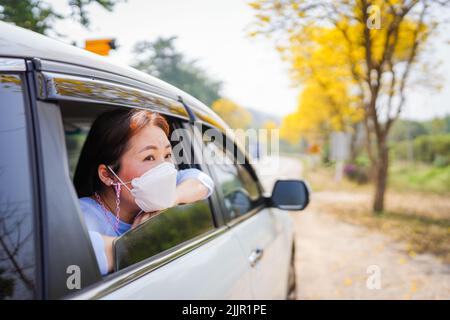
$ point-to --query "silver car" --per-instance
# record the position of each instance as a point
(238, 244)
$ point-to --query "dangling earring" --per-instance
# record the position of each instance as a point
(117, 188)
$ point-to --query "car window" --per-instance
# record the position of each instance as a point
(75, 135)
(167, 230)
(170, 228)
(17, 254)
(164, 231)
(239, 189)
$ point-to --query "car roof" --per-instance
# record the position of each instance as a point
(22, 43)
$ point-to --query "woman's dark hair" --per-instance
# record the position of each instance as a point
(107, 141)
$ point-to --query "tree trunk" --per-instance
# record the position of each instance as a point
(353, 144)
(381, 174)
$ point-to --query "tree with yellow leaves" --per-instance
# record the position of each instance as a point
(321, 110)
(326, 103)
(236, 116)
(378, 42)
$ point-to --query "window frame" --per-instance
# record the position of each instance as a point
(215, 199)
(247, 166)
(53, 158)
(178, 123)
(121, 278)
(37, 172)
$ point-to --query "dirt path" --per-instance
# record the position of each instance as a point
(335, 259)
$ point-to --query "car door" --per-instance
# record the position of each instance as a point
(262, 232)
(209, 266)
(266, 244)
(193, 255)
(213, 270)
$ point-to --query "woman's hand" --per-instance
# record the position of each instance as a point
(143, 217)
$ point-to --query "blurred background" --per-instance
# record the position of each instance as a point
(359, 91)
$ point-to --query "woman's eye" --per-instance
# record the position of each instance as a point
(169, 156)
(150, 158)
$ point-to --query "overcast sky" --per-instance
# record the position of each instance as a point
(214, 32)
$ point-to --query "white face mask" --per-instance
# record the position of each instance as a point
(155, 189)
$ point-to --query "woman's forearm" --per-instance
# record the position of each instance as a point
(191, 190)
(108, 241)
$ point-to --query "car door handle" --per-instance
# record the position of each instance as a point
(255, 256)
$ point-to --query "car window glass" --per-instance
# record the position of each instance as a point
(240, 191)
(17, 254)
(170, 228)
(75, 135)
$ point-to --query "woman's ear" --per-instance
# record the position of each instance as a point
(105, 175)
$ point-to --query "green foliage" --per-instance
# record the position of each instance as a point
(438, 125)
(39, 16)
(406, 130)
(431, 149)
(30, 14)
(79, 10)
(161, 59)
(420, 178)
(362, 161)
(409, 129)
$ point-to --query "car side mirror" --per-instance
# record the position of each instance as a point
(290, 195)
(238, 201)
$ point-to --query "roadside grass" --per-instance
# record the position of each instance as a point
(403, 177)
(419, 177)
(420, 218)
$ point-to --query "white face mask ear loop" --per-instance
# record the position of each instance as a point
(123, 183)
